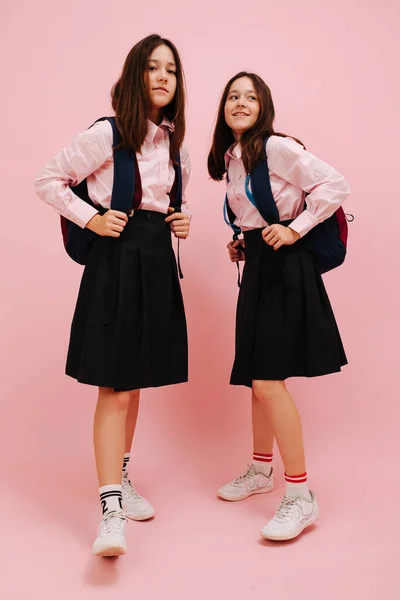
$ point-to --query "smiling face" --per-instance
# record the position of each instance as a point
(242, 106)
(160, 78)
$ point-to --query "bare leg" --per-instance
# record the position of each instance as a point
(109, 434)
(263, 435)
(131, 418)
(285, 423)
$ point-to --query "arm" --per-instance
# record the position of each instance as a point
(87, 153)
(327, 189)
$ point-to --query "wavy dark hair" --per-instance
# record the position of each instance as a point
(131, 103)
(252, 140)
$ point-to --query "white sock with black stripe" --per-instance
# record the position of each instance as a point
(127, 457)
(111, 498)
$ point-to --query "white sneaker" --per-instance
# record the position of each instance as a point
(246, 485)
(110, 539)
(291, 518)
(135, 506)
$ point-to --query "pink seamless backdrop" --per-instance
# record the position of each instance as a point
(333, 71)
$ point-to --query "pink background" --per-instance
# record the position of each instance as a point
(333, 70)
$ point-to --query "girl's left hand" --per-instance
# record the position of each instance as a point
(180, 224)
(279, 235)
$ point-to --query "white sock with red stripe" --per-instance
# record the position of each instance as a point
(262, 463)
(296, 485)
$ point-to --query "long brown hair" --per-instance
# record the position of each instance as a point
(252, 140)
(131, 103)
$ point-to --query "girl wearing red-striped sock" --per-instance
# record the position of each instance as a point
(276, 194)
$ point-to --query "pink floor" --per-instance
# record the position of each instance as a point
(197, 546)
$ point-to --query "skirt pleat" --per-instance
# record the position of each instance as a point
(285, 326)
(129, 327)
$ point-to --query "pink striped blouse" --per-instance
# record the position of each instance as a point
(293, 171)
(91, 156)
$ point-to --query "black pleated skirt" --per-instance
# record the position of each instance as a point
(129, 327)
(285, 326)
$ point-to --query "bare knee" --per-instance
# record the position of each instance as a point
(118, 401)
(268, 391)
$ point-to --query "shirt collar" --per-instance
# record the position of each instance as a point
(152, 128)
(234, 151)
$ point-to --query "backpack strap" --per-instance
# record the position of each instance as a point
(175, 197)
(260, 189)
(229, 218)
(175, 194)
(125, 172)
(261, 195)
(175, 202)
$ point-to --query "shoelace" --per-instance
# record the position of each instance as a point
(128, 484)
(249, 473)
(113, 522)
(286, 507)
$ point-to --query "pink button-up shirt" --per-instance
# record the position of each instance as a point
(293, 171)
(90, 156)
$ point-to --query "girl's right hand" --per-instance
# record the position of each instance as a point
(110, 224)
(235, 250)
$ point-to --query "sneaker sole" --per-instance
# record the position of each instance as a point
(262, 491)
(138, 517)
(111, 551)
(283, 538)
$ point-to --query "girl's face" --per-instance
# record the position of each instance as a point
(242, 106)
(160, 78)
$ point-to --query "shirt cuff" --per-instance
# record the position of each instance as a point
(303, 223)
(80, 212)
(185, 210)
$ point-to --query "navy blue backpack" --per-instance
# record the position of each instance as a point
(327, 240)
(126, 195)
